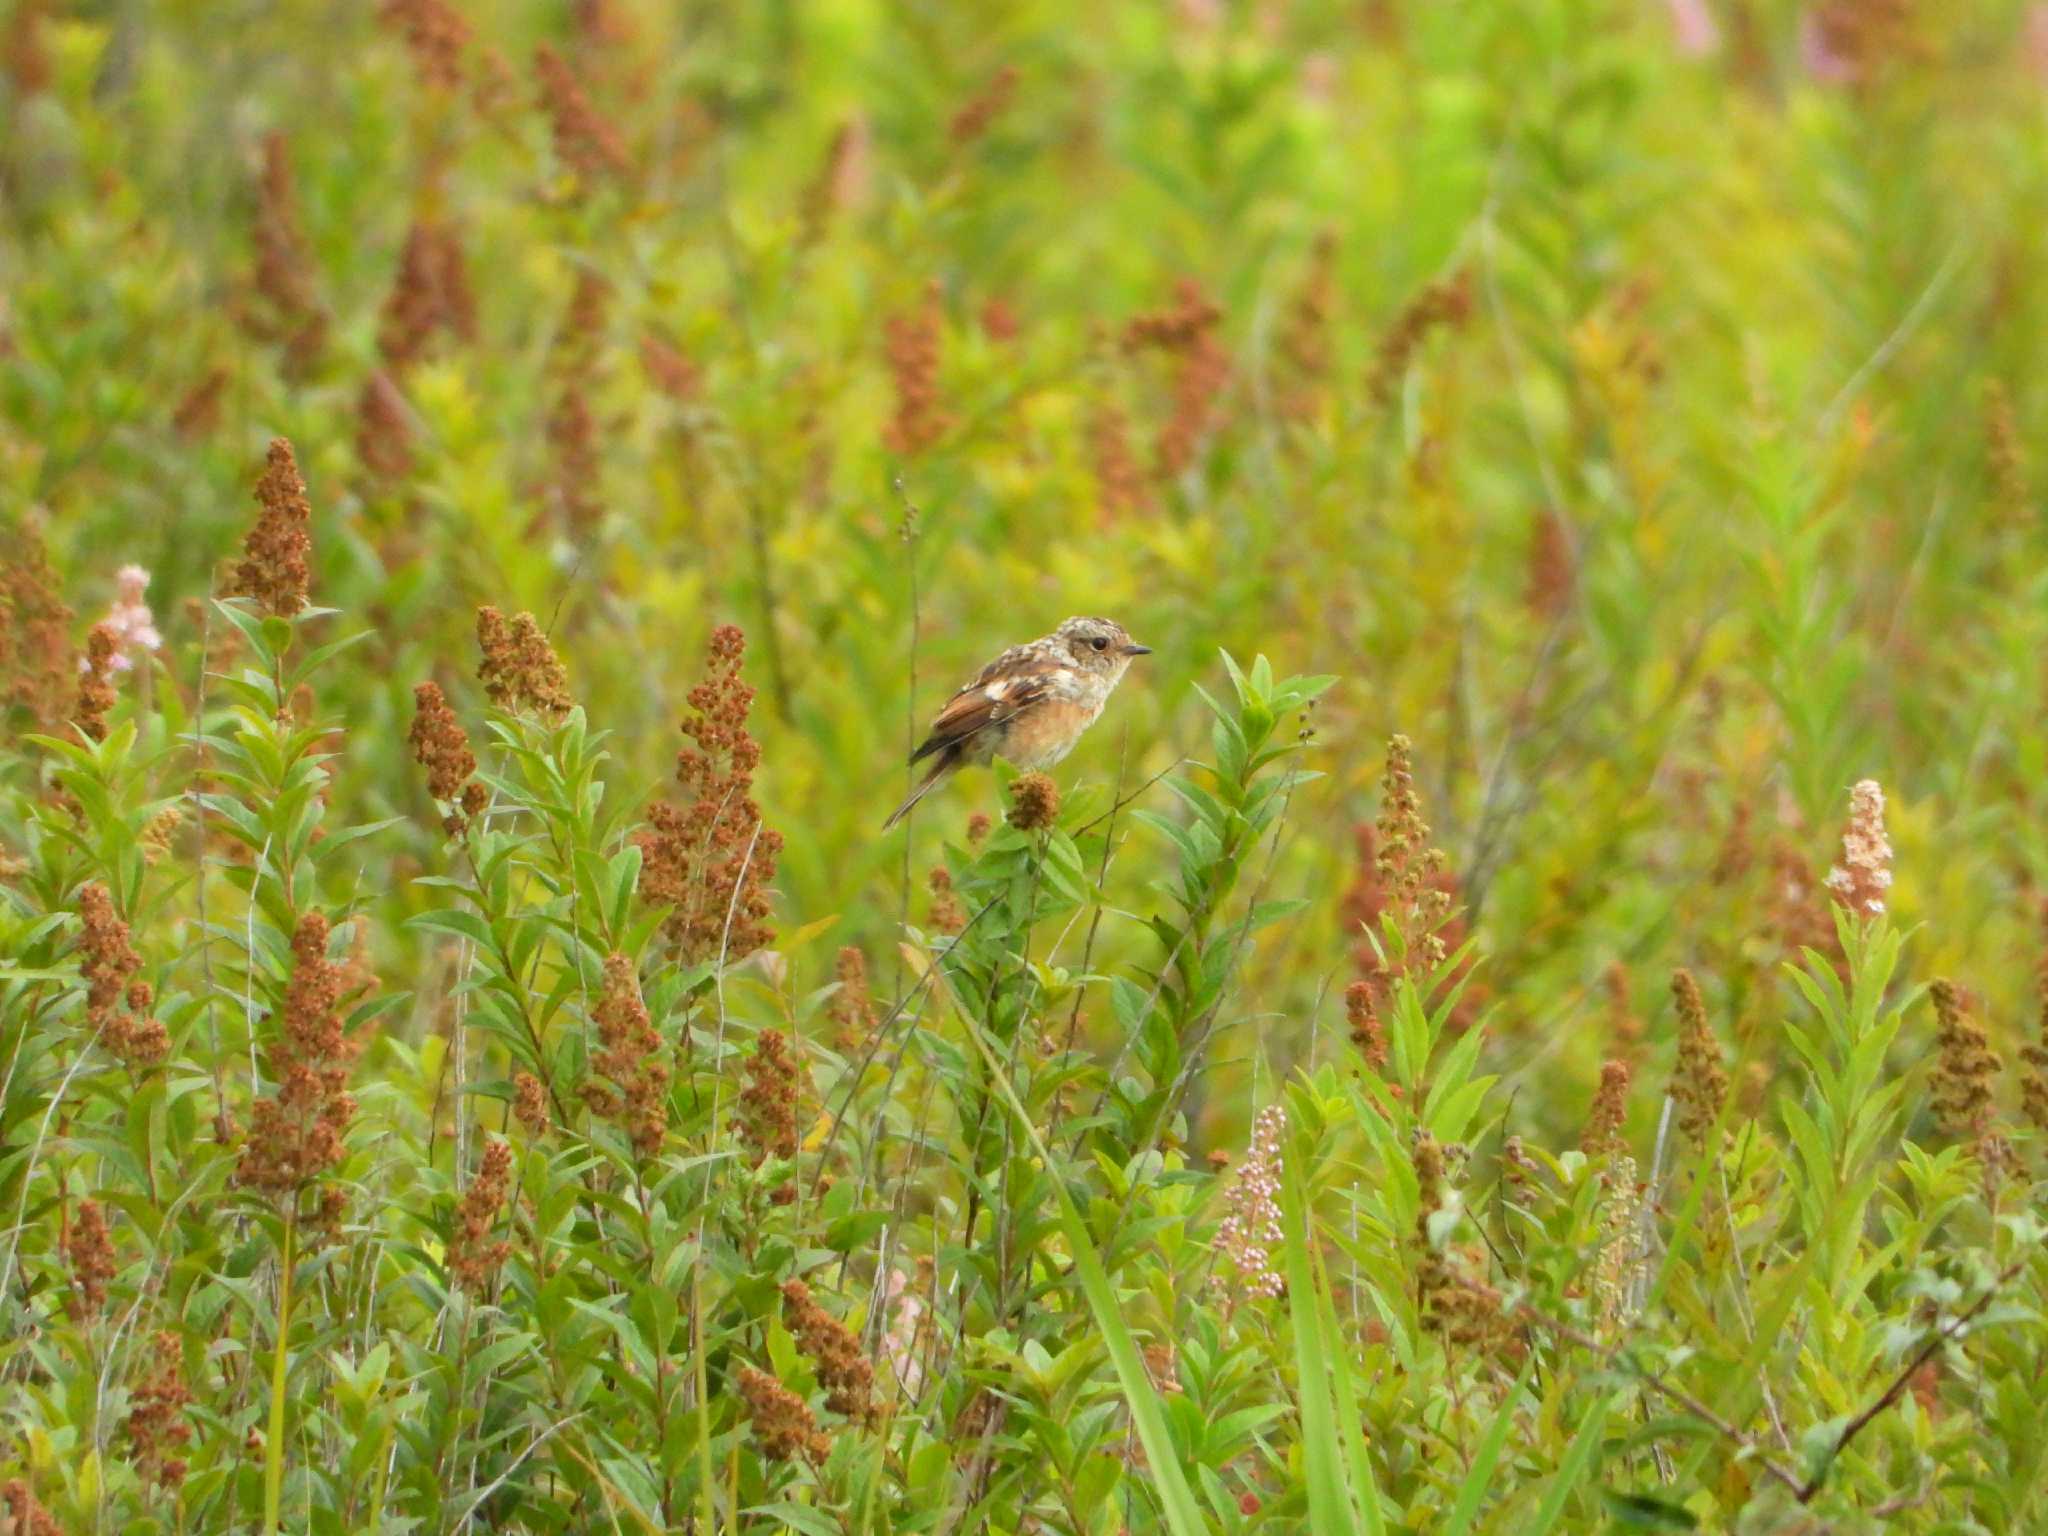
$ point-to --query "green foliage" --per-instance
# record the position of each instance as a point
(1633, 404)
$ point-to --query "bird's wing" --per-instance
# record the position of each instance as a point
(1021, 676)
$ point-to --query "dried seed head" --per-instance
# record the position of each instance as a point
(783, 1422)
(2034, 1055)
(383, 428)
(157, 1430)
(435, 35)
(519, 669)
(96, 693)
(1119, 482)
(25, 1513)
(768, 1104)
(842, 178)
(668, 370)
(441, 746)
(285, 277)
(1034, 803)
(1602, 1136)
(982, 109)
(1410, 867)
(911, 345)
(1363, 1016)
(852, 1008)
(1700, 1085)
(37, 669)
(585, 140)
(712, 858)
(946, 915)
(629, 1056)
(91, 1254)
(842, 1365)
(1444, 305)
(1966, 1067)
(473, 1256)
(430, 295)
(117, 1003)
(1186, 332)
(276, 566)
(530, 1103)
(295, 1132)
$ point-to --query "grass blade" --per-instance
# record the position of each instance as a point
(1350, 1419)
(1148, 1416)
(1330, 1506)
(1571, 1469)
(1479, 1477)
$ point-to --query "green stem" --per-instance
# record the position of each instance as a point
(273, 1449)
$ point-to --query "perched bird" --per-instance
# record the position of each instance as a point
(1028, 706)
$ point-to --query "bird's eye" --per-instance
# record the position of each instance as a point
(1099, 643)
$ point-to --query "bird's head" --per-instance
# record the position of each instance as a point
(1098, 646)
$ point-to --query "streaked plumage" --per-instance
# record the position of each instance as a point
(1029, 705)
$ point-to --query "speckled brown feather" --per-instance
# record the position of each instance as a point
(1029, 705)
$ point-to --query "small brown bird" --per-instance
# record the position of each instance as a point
(1028, 706)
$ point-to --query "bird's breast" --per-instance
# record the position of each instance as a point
(1043, 734)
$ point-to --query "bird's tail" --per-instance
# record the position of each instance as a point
(946, 761)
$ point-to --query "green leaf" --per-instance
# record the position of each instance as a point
(798, 1517)
(1479, 1476)
(1176, 1499)
(1643, 1512)
(1585, 1445)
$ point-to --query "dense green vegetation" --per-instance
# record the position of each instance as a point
(1524, 1016)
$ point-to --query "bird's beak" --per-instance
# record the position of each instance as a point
(1137, 650)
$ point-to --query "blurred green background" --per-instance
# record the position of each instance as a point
(1634, 402)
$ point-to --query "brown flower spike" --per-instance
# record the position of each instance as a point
(91, 1255)
(295, 1133)
(1965, 1069)
(1700, 1085)
(156, 1423)
(96, 695)
(842, 1365)
(473, 1256)
(276, 565)
(441, 746)
(117, 1003)
(25, 1513)
(519, 670)
(768, 1102)
(435, 35)
(530, 1103)
(711, 858)
(1034, 802)
(636, 1093)
(1602, 1136)
(584, 140)
(1187, 333)
(910, 341)
(1362, 1014)
(37, 669)
(284, 276)
(852, 1008)
(783, 1422)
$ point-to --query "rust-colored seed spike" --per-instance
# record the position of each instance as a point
(711, 858)
(276, 565)
(1700, 1085)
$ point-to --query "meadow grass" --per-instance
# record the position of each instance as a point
(1525, 1015)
